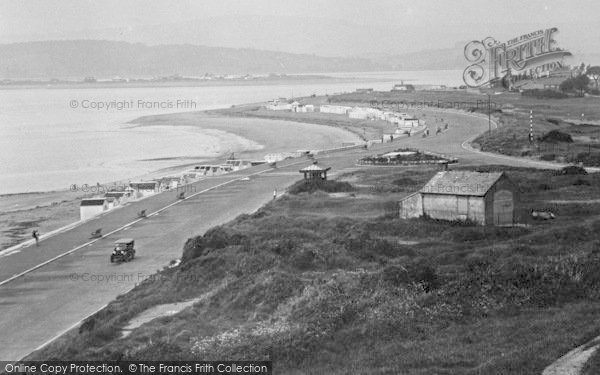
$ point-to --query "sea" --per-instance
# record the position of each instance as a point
(52, 137)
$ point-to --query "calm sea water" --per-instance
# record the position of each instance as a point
(51, 138)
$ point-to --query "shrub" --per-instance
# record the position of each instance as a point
(468, 235)
(555, 136)
(580, 182)
(544, 94)
(548, 157)
(320, 185)
(570, 170)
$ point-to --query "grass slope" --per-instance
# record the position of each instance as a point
(334, 283)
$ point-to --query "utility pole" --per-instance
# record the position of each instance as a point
(489, 113)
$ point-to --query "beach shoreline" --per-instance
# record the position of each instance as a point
(45, 211)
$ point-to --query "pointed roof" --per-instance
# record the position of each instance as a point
(314, 168)
(461, 183)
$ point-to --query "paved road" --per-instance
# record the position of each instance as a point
(61, 291)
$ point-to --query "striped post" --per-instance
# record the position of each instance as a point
(530, 126)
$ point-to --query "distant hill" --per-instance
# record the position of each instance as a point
(81, 58)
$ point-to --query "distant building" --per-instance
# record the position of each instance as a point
(302, 107)
(144, 189)
(213, 170)
(237, 164)
(91, 207)
(546, 83)
(365, 113)
(407, 123)
(484, 198)
(335, 109)
(117, 198)
(169, 183)
(403, 87)
(280, 104)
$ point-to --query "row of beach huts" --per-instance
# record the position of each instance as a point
(108, 197)
(404, 122)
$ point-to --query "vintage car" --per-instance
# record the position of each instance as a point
(123, 251)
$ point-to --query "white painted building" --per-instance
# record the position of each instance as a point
(303, 107)
(144, 189)
(280, 104)
(91, 207)
(335, 109)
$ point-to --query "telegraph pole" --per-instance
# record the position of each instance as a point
(489, 113)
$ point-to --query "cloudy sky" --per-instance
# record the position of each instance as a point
(326, 27)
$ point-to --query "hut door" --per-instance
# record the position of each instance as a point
(462, 207)
(503, 207)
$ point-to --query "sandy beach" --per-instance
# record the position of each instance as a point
(47, 211)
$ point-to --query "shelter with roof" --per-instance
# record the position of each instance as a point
(484, 198)
(315, 172)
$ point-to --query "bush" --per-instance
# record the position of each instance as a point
(555, 136)
(580, 182)
(548, 157)
(544, 94)
(320, 185)
(571, 170)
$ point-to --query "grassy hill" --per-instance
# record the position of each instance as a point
(100, 58)
(332, 282)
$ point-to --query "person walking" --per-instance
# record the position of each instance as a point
(274, 193)
(36, 236)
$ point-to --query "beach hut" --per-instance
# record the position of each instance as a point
(483, 198)
(144, 189)
(91, 207)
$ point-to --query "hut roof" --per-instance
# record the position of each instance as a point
(314, 168)
(461, 183)
(93, 202)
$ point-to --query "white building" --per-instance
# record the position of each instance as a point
(91, 207)
(408, 123)
(144, 189)
(170, 183)
(280, 104)
(335, 109)
(358, 113)
(303, 107)
(117, 198)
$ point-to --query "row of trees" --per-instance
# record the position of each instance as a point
(581, 82)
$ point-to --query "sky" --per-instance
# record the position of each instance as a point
(427, 23)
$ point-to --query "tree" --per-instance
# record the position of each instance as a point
(581, 83)
(594, 72)
(567, 85)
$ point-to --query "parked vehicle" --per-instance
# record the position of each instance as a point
(96, 234)
(542, 215)
(142, 214)
(124, 250)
